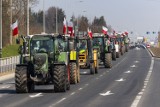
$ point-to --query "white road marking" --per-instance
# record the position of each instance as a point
(36, 95)
(86, 84)
(133, 66)
(138, 97)
(136, 61)
(127, 72)
(73, 93)
(61, 100)
(97, 78)
(120, 80)
(106, 94)
(100, 75)
(80, 89)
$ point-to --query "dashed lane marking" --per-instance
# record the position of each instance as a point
(133, 66)
(120, 80)
(36, 95)
(73, 93)
(80, 89)
(127, 72)
(139, 96)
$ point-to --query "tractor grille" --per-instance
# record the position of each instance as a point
(39, 60)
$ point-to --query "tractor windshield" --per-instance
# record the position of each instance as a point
(97, 41)
(82, 44)
(40, 44)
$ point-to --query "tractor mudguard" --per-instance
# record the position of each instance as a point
(73, 55)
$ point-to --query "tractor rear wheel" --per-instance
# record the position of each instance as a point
(108, 60)
(22, 82)
(78, 74)
(114, 55)
(73, 73)
(59, 78)
(117, 55)
(92, 68)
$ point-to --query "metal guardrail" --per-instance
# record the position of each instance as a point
(9, 63)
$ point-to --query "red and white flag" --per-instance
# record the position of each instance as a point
(64, 26)
(70, 28)
(104, 30)
(14, 27)
(90, 33)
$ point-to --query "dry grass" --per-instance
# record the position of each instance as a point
(155, 51)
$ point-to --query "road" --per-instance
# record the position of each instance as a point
(128, 84)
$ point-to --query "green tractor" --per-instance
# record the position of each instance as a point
(73, 60)
(103, 45)
(47, 63)
(88, 56)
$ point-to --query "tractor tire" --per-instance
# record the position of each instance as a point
(92, 68)
(78, 74)
(117, 55)
(114, 55)
(126, 48)
(22, 82)
(68, 78)
(108, 60)
(59, 78)
(73, 73)
(122, 51)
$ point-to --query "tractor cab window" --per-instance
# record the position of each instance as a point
(82, 44)
(61, 45)
(97, 41)
(41, 45)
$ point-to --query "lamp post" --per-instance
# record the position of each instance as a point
(56, 17)
(11, 21)
(27, 17)
(0, 28)
(44, 21)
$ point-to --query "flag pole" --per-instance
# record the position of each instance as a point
(11, 21)
(0, 28)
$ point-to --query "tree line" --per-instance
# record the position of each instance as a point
(19, 12)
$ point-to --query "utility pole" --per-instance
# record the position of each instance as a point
(56, 21)
(27, 17)
(44, 21)
(0, 28)
(11, 21)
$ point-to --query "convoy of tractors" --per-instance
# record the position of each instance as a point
(50, 59)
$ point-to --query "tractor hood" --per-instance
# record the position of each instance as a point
(82, 51)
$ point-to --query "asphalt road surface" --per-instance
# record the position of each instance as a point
(133, 81)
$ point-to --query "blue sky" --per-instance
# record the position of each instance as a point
(138, 16)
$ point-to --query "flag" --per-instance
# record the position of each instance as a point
(64, 26)
(104, 30)
(14, 27)
(90, 33)
(70, 28)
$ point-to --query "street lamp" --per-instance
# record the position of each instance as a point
(56, 21)
(27, 17)
(44, 21)
(0, 28)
